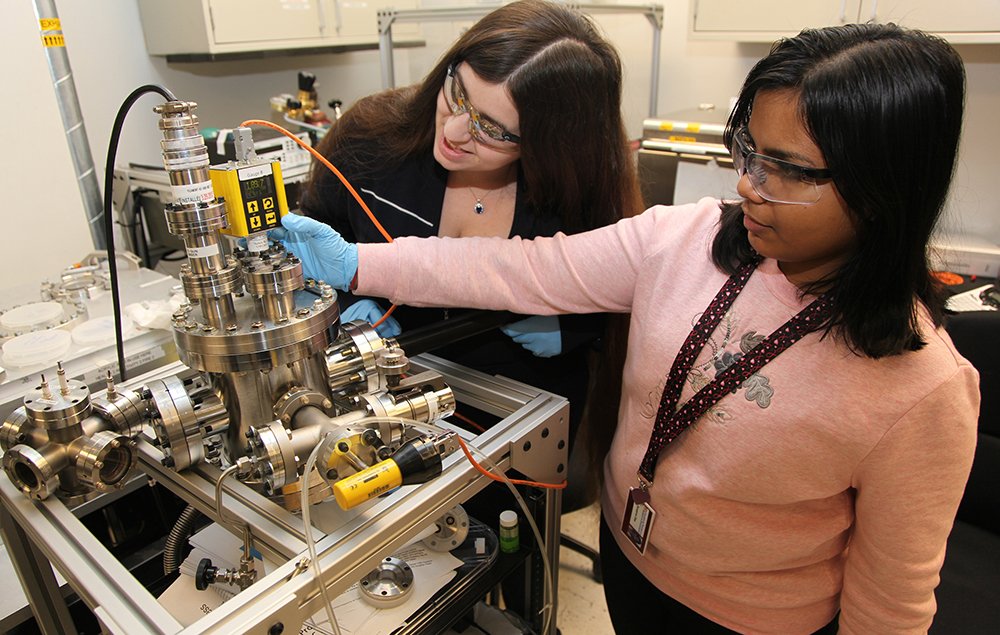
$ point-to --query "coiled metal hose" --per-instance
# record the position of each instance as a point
(178, 536)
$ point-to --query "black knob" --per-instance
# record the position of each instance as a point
(205, 575)
(371, 438)
(306, 81)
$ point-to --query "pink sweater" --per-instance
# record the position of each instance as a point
(827, 481)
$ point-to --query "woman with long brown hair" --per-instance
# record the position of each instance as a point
(516, 132)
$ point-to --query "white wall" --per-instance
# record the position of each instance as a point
(42, 209)
(109, 60)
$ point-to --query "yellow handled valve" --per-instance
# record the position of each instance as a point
(415, 461)
(367, 484)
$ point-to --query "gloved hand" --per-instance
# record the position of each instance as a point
(324, 254)
(371, 312)
(539, 334)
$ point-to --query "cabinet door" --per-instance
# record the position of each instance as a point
(945, 18)
(264, 20)
(359, 18)
(741, 19)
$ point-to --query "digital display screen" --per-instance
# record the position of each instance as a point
(257, 188)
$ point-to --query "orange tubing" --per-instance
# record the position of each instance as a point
(482, 471)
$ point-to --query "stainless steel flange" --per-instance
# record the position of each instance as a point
(452, 530)
(389, 584)
(105, 460)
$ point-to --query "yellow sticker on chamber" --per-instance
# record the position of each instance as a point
(689, 127)
(680, 138)
(53, 40)
(49, 24)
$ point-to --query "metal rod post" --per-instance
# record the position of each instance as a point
(37, 579)
(72, 117)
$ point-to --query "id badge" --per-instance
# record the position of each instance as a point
(638, 518)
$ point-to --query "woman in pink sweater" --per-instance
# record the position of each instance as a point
(796, 428)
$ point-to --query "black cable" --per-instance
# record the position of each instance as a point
(109, 177)
(434, 336)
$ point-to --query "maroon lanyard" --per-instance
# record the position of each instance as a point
(670, 421)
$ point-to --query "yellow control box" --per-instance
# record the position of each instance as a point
(254, 195)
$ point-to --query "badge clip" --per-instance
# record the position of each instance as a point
(639, 515)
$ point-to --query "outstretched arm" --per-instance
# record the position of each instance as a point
(592, 272)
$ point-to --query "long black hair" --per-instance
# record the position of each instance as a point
(566, 82)
(884, 105)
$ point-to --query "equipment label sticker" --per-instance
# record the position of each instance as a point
(202, 252)
(194, 193)
(254, 172)
(53, 40)
(131, 363)
(51, 24)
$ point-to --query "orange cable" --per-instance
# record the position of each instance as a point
(470, 422)
(387, 314)
(497, 478)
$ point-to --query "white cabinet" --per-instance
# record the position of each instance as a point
(961, 21)
(766, 20)
(245, 21)
(193, 30)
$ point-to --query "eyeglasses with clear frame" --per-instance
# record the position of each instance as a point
(775, 180)
(483, 129)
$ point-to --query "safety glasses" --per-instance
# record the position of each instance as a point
(775, 180)
(483, 129)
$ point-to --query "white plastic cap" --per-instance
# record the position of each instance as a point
(508, 518)
(31, 315)
(40, 347)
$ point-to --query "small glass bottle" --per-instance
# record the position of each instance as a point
(509, 541)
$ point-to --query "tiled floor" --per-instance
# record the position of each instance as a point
(582, 610)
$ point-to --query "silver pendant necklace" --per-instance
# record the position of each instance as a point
(479, 209)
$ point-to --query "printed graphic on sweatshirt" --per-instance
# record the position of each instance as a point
(756, 388)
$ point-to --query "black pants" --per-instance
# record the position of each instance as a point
(636, 606)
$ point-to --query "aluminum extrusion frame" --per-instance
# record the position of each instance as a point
(531, 436)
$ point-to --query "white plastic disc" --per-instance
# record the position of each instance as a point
(100, 331)
(40, 347)
(29, 316)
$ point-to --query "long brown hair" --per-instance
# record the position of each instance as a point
(566, 82)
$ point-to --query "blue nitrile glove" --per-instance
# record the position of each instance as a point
(539, 334)
(371, 312)
(324, 254)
